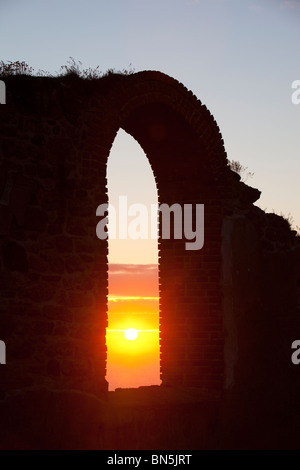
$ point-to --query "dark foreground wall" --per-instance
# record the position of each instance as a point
(228, 312)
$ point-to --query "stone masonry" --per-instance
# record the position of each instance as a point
(228, 312)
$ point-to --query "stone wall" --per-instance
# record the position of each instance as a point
(221, 308)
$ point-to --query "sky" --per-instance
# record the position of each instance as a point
(129, 174)
(239, 57)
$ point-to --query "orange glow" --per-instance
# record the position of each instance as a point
(132, 361)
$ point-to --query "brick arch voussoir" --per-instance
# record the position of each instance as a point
(155, 87)
(133, 91)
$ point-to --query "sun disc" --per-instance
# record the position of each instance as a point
(131, 334)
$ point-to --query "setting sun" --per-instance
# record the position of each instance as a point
(132, 340)
(131, 334)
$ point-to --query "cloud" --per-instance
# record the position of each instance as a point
(132, 268)
(137, 280)
(290, 4)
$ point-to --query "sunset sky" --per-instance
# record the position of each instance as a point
(238, 57)
(133, 303)
(133, 275)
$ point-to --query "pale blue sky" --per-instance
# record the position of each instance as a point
(239, 57)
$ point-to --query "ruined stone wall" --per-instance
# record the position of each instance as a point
(56, 138)
(221, 307)
(261, 320)
(53, 270)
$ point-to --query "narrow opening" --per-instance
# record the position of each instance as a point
(132, 336)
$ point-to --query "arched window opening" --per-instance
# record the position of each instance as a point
(132, 336)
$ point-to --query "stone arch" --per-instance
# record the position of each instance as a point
(63, 279)
(55, 138)
(185, 149)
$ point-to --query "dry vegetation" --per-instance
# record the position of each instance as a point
(72, 69)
